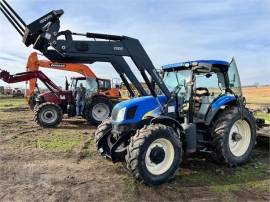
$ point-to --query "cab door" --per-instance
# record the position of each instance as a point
(234, 82)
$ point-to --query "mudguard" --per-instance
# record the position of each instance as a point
(222, 100)
(166, 120)
(216, 105)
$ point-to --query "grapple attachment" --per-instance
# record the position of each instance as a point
(32, 32)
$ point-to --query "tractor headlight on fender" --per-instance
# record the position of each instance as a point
(121, 114)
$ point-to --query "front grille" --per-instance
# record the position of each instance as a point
(131, 112)
(114, 114)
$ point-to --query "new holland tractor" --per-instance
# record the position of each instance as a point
(194, 106)
(204, 112)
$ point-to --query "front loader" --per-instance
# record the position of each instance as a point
(200, 108)
(45, 36)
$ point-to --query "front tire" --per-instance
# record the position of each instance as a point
(48, 115)
(98, 110)
(105, 128)
(32, 102)
(154, 154)
(233, 137)
(105, 140)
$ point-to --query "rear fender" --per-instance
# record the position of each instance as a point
(222, 100)
(218, 106)
(93, 96)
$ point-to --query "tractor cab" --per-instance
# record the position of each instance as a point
(92, 85)
(204, 84)
(89, 83)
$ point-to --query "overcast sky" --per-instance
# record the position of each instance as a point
(170, 31)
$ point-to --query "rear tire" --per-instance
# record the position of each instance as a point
(233, 138)
(98, 110)
(48, 115)
(154, 154)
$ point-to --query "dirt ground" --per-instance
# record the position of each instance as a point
(62, 164)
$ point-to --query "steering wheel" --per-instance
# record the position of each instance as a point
(206, 93)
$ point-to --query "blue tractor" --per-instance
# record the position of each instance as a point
(204, 112)
(194, 106)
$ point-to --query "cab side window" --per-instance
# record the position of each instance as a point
(209, 82)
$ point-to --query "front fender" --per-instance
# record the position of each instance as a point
(167, 121)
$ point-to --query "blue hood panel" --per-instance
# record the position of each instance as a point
(144, 105)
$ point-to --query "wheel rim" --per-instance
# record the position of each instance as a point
(100, 112)
(240, 137)
(48, 116)
(159, 156)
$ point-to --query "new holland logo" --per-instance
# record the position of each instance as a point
(58, 65)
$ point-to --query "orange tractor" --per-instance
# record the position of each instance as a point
(100, 95)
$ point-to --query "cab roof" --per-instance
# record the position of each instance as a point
(216, 63)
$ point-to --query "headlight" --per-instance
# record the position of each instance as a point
(121, 115)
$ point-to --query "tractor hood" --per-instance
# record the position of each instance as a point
(55, 97)
(134, 110)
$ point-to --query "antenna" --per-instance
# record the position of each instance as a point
(13, 17)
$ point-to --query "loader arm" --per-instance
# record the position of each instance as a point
(33, 64)
(26, 76)
(44, 33)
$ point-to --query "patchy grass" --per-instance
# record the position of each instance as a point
(24, 141)
(132, 184)
(59, 141)
(11, 103)
(263, 115)
(227, 179)
(88, 148)
(263, 186)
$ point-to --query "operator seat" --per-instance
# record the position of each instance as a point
(202, 102)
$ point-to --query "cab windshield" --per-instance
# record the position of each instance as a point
(174, 78)
(89, 83)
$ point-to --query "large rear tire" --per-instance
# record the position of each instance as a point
(233, 137)
(154, 154)
(48, 115)
(98, 110)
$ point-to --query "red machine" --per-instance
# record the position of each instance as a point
(51, 106)
(55, 101)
